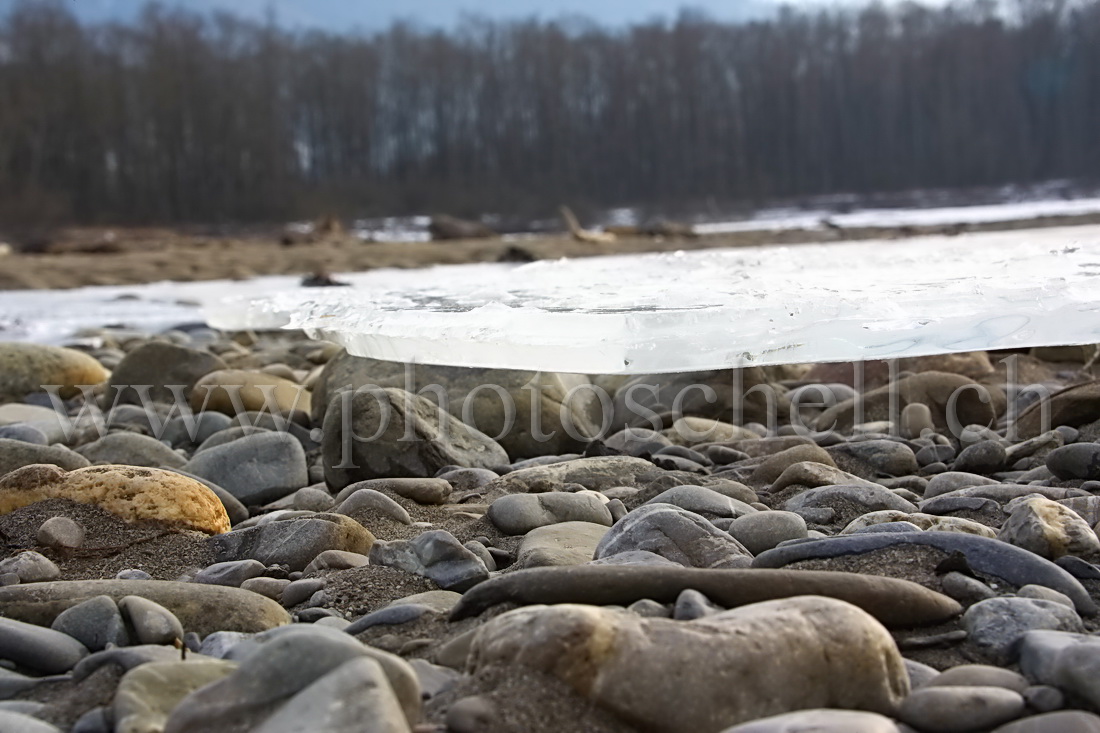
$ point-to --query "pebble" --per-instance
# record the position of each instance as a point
(256, 469)
(1075, 721)
(30, 567)
(980, 675)
(147, 694)
(159, 364)
(965, 589)
(676, 534)
(37, 648)
(1048, 529)
(992, 557)
(15, 722)
(1077, 461)
(429, 491)
(232, 573)
(985, 457)
(152, 623)
(335, 560)
(960, 709)
(132, 449)
(26, 367)
(436, 555)
(200, 608)
(23, 433)
(995, 626)
(61, 533)
(16, 454)
(471, 715)
(518, 514)
(293, 542)
(282, 664)
(565, 543)
(233, 391)
(95, 623)
(703, 501)
(764, 530)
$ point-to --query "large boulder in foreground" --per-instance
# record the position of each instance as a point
(760, 660)
(130, 492)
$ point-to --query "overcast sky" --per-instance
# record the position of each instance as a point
(375, 14)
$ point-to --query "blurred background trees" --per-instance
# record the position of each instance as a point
(188, 118)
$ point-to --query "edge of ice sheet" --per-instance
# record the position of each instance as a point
(714, 308)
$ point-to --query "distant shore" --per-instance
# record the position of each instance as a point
(141, 255)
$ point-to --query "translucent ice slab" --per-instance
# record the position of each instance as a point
(711, 308)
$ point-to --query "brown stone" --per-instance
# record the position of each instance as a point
(217, 391)
(130, 492)
(28, 367)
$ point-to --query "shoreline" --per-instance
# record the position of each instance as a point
(186, 258)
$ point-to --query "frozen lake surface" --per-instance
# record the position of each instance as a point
(647, 313)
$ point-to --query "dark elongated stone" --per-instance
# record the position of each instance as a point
(895, 603)
(992, 557)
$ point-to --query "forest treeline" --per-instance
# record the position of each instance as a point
(182, 117)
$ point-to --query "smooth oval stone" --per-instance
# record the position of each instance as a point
(152, 622)
(31, 567)
(131, 449)
(203, 609)
(60, 532)
(980, 675)
(15, 722)
(95, 623)
(518, 514)
(764, 530)
(38, 648)
(1063, 721)
(820, 721)
(895, 603)
(982, 458)
(26, 367)
(1077, 461)
(255, 469)
(960, 709)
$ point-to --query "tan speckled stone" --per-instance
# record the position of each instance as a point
(26, 367)
(131, 492)
(212, 390)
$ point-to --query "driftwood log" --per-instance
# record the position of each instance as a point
(584, 235)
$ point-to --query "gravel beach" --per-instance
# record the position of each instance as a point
(210, 531)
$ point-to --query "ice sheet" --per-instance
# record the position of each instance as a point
(715, 308)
